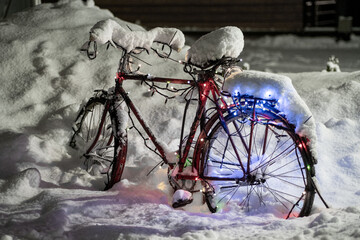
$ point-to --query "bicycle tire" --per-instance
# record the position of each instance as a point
(94, 139)
(280, 171)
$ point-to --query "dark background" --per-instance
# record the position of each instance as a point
(294, 16)
(255, 16)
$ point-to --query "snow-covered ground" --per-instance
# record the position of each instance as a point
(46, 194)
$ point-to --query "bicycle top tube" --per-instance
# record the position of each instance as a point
(147, 77)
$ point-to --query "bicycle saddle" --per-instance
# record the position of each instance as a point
(223, 42)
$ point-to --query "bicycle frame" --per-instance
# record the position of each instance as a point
(207, 89)
(213, 122)
(205, 86)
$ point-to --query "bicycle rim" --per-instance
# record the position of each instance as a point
(94, 139)
(278, 178)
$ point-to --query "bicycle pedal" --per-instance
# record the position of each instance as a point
(181, 203)
(181, 198)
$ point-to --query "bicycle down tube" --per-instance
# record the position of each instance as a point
(123, 77)
(205, 87)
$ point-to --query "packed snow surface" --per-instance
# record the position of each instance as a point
(45, 192)
(223, 42)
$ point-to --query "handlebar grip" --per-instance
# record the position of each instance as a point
(91, 54)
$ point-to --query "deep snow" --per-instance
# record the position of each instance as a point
(45, 192)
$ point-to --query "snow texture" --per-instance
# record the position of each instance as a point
(223, 42)
(45, 192)
(110, 31)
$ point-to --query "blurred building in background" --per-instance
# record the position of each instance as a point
(258, 16)
(250, 15)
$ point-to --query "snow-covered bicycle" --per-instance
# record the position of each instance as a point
(242, 145)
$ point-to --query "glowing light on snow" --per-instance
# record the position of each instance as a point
(268, 93)
(161, 186)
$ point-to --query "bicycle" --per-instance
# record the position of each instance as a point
(239, 147)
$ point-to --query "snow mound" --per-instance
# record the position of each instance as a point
(223, 42)
(20, 187)
(291, 41)
(274, 86)
(110, 31)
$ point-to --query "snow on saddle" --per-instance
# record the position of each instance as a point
(223, 42)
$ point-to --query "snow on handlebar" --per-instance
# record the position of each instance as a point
(109, 31)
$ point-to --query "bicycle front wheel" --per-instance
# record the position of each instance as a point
(258, 161)
(93, 137)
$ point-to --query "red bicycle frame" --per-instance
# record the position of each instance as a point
(205, 86)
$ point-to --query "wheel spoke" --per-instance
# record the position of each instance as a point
(95, 140)
(275, 170)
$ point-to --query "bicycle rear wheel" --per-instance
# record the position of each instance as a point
(93, 137)
(260, 162)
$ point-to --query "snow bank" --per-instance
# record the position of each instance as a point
(290, 41)
(20, 187)
(223, 42)
(334, 101)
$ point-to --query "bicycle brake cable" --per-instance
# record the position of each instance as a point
(156, 166)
